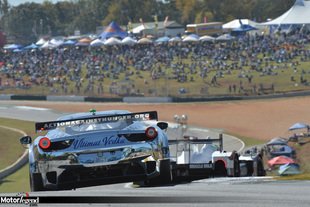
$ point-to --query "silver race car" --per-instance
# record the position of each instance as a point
(95, 148)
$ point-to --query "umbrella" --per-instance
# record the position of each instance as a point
(69, 42)
(129, 41)
(12, 47)
(224, 37)
(299, 126)
(280, 160)
(144, 40)
(191, 38)
(96, 43)
(112, 41)
(30, 47)
(162, 39)
(207, 38)
(175, 39)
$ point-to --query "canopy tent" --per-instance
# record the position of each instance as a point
(298, 14)
(238, 23)
(139, 29)
(41, 41)
(299, 126)
(277, 141)
(56, 42)
(280, 160)
(113, 30)
(289, 169)
(48, 45)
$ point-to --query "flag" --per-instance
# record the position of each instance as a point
(156, 21)
(205, 19)
(141, 21)
(129, 26)
(166, 21)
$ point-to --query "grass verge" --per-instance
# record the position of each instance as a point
(17, 182)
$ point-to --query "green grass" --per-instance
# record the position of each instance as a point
(304, 176)
(10, 148)
(17, 182)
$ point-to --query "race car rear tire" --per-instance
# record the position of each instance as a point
(36, 183)
(165, 171)
(236, 167)
(220, 169)
(260, 168)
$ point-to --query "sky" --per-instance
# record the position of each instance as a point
(17, 2)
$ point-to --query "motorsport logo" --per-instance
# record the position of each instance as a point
(20, 198)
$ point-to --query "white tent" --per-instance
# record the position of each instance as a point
(41, 42)
(48, 45)
(139, 29)
(234, 24)
(56, 42)
(298, 14)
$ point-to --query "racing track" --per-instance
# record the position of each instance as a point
(251, 191)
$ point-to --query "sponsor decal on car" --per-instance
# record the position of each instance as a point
(105, 141)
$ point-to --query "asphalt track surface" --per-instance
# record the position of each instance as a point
(246, 191)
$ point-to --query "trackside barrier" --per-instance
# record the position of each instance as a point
(147, 99)
(137, 99)
(28, 97)
(17, 164)
(101, 99)
(66, 98)
(5, 97)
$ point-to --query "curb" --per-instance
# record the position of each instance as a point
(19, 163)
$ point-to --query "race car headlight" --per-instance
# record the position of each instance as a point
(44, 143)
(151, 133)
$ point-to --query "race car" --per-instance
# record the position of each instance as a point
(86, 149)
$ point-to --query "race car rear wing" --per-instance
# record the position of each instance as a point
(198, 141)
(140, 116)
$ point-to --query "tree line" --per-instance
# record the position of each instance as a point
(29, 21)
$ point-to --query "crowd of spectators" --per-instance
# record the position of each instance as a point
(87, 70)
